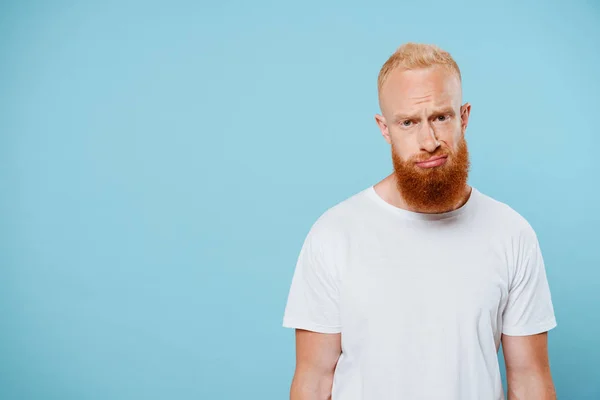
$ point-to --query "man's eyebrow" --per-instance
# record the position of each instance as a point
(443, 110)
(437, 111)
(401, 117)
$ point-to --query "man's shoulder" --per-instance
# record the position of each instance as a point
(500, 215)
(342, 215)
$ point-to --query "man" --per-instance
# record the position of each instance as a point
(406, 289)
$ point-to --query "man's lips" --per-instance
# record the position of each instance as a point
(433, 162)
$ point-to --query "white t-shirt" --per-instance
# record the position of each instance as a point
(420, 300)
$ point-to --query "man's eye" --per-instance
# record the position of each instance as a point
(406, 123)
(442, 118)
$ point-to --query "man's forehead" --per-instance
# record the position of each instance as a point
(432, 101)
(409, 89)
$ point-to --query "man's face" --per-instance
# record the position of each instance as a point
(425, 125)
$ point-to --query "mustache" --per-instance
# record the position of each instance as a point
(441, 151)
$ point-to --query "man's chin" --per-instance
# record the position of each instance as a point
(431, 189)
(436, 188)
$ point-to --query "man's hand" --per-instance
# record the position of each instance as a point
(527, 367)
(316, 357)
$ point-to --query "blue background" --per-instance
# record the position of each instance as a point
(161, 163)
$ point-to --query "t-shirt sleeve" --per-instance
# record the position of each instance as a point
(314, 294)
(529, 309)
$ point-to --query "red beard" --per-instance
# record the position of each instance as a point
(435, 189)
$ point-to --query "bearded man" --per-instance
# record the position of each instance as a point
(407, 289)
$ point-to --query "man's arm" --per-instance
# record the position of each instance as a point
(316, 357)
(527, 367)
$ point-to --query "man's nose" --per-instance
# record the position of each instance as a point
(428, 139)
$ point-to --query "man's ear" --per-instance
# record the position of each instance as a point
(383, 127)
(465, 112)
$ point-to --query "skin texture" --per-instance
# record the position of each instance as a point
(316, 357)
(527, 367)
(422, 118)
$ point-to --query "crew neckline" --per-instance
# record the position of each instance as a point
(417, 216)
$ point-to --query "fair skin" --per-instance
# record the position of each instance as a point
(316, 357)
(426, 114)
(527, 367)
